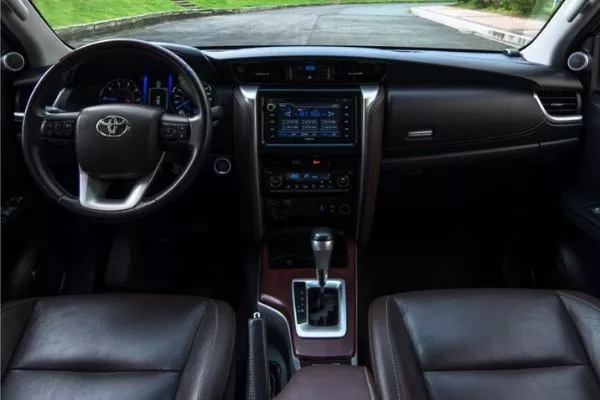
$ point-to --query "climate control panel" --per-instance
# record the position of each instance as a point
(303, 181)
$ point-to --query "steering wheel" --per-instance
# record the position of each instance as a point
(115, 143)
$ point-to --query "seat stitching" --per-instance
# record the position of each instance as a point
(417, 360)
(369, 384)
(372, 355)
(191, 348)
(210, 347)
(231, 358)
(117, 371)
(507, 369)
(595, 307)
(577, 329)
(391, 345)
(35, 305)
(14, 304)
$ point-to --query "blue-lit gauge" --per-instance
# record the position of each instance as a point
(120, 91)
(181, 103)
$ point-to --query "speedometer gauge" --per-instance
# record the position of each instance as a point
(120, 91)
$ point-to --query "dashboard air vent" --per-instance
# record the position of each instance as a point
(258, 72)
(560, 103)
(348, 72)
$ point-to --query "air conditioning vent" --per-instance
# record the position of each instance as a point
(349, 72)
(560, 103)
(258, 72)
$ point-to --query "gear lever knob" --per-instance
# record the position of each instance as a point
(321, 240)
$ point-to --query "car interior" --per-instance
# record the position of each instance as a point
(173, 228)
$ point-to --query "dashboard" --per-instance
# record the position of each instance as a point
(309, 131)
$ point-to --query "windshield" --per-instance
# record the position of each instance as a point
(462, 25)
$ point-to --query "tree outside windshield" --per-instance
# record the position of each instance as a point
(462, 25)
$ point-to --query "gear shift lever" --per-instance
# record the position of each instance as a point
(321, 241)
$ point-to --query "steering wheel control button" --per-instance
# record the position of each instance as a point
(174, 132)
(58, 132)
(222, 166)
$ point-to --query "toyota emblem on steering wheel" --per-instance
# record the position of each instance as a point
(112, 126)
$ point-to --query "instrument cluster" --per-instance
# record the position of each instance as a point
(163, 91)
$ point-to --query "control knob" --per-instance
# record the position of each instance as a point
(343, 181)
(345, 209)
(275, 181)
(271, 106)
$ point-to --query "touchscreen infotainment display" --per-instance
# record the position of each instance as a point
(299, 119)
(308, 121)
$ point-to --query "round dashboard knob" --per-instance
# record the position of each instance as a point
(275, 181)
(345, 209)
(13, 61)
(343, 181)
(222, 166)
(578, 61)
(271, 106)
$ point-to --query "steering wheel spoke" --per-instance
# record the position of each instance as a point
(93, 191)
(58, 129)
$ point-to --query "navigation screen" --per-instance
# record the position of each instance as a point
(310, 119)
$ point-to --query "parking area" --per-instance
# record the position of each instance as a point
(340, 25)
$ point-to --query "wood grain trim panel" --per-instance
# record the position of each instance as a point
(276, 291)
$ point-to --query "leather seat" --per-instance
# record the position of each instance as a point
(117, 347)
(486, 344)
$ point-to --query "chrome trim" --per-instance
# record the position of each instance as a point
(19, 115)
(585, 56)
(222, 172)
(420, 134)
(112, 123)
(250, 94)
(560, 120)
(369, 94)
(92, 191)
(281, 323)
(9, 67)
(322, 245)
(305, 330)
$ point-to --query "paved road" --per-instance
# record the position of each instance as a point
(349, 25)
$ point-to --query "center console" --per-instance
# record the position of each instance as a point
(309, 156)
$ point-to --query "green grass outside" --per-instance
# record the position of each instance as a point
(60, 13)
(541, 11)
(258, 3)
